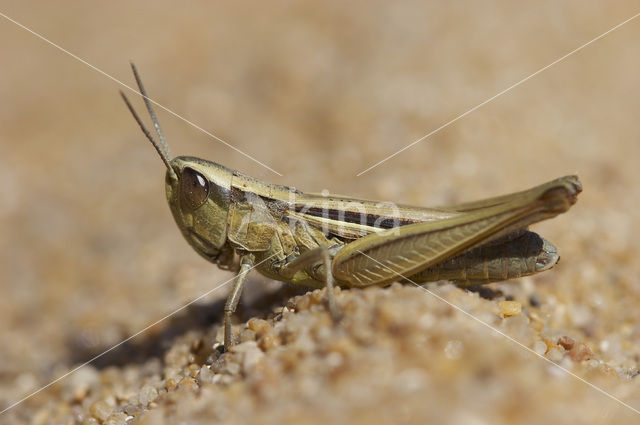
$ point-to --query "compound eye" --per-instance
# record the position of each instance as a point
(194, 188)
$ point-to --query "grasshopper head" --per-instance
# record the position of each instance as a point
(198, 193)
(197, 190)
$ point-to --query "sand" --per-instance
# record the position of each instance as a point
(90, 256)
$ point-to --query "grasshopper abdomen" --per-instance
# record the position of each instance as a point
(502, 259)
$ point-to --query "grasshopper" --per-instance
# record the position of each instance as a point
(239, 223)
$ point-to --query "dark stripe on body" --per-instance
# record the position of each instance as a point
(371, 220)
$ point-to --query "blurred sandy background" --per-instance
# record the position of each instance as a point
(319, 91)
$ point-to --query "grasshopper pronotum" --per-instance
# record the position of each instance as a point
(238, 223)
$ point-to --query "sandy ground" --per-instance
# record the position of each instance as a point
(89, 253)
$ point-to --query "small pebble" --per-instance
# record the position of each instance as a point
(130, 409)
(80, 394)
(566, 342)
(231, 368)
(259, 326)
(247, 335)
(303, 303)
(540, 347)
(510, 308)
(188, 383)
(554, 355)
(206, 375)
(147, 395)
(580, 352)
(250, 354)
(268, 341)
(171, 384)
(90, 420)
(119, 418)
(285, 311)
(100, 410)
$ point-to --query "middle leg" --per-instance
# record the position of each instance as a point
(317, 263)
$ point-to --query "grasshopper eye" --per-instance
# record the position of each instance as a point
(194, 188)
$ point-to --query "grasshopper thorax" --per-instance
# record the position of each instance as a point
(198, 192)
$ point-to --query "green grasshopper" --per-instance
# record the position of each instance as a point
(241, 223)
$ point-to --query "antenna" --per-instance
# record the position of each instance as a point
(162, 149)
(152, 113)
